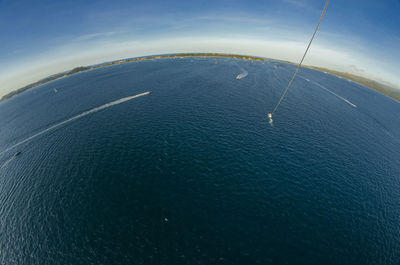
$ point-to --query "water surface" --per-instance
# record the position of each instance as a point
(193, 173)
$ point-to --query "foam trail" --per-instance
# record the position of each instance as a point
(243, 74)
(333, 93)
(8, 161)
(83, 114)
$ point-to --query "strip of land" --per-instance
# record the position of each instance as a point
(381, 88)
(384, 89)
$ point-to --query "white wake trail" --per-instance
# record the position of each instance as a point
(83, 114)
(333, 93)
(243, 74)
(8, 161)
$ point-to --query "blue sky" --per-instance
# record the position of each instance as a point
(39, 38)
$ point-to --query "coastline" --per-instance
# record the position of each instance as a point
(381, 88)
(136, 59)
(372, 84)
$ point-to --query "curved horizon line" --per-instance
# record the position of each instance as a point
(351, 77)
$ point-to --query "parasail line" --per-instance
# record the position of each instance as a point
(299, 65)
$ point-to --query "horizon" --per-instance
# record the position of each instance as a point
(349, 39)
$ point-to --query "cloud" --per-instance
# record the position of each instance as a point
(92, 36)
(297, 3)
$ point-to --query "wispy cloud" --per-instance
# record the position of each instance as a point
(238, 18)
(298, 3)
(92, 36)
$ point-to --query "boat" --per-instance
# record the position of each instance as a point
(17, 153)
(240, 76)
(270, 118)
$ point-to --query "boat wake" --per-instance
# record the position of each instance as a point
(83, 114)
(333, 93)
(8, 161)
(243, 74)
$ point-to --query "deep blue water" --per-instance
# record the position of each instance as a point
(194, 174)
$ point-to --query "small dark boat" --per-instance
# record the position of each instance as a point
(17, 153)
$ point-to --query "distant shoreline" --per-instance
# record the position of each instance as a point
(381, 88)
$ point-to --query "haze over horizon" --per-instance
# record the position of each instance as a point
(42, 38)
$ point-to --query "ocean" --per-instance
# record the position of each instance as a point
(193, 172)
